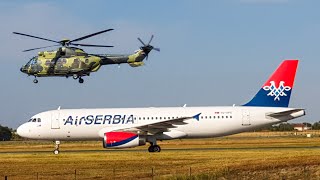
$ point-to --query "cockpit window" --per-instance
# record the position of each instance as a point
(32, 61)
(34, 120)
(29, 120)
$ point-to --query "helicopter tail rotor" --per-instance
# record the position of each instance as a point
(147, 48)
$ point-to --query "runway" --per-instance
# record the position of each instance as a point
(163, 150)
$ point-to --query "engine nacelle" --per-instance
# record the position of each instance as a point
(123, 140)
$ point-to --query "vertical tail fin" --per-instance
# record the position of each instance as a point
(277, 90)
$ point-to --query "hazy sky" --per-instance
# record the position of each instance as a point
(215, 52)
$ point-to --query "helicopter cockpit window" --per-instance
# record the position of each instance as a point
(32, 61)
(34, 120)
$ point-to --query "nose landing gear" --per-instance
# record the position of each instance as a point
(35, 80)
(56, 150)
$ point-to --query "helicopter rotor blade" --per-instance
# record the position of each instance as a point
(90, 45)
(90, 35)
(39, 48)
(35, 37)
(156, 49)
(150, 39)
(142, 42)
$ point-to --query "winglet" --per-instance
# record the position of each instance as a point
(197, 117)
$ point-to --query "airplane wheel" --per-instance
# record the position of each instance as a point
(75, 76)
(154, 148)
(56, 151)
(35, 81)
(150, 149)
(81, 80)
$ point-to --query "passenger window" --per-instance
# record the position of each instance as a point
(39, 120)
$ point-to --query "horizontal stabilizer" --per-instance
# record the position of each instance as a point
(287, 113)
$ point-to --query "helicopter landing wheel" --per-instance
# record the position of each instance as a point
(75, 76)
(35, 81)
(81, 80)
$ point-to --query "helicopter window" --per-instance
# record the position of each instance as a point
(39, 120)
(32, 61)
(29, 120)
(34, 120)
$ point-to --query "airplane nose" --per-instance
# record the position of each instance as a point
(22, 131)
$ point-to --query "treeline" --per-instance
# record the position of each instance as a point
(5, 133)
(289, 126)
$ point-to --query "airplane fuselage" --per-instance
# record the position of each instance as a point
(91, 124)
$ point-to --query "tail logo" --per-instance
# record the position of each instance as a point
(277, 91)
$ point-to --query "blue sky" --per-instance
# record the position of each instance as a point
(215, 52)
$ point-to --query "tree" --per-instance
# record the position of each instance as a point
(316, 126)
(5, 133)
(285, 127)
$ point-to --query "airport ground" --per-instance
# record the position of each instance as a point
(260, 155)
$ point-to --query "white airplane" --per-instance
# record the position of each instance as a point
(131, 127)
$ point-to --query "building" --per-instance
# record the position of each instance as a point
(301, 127)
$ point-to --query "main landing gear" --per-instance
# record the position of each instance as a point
(56, 150)
(76, 76)
(154, 148)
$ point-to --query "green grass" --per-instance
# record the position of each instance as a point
(234, 160)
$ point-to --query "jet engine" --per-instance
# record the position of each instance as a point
(123, 140)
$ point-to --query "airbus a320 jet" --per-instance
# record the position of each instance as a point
(131, 127)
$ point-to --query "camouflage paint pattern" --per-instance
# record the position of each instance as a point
(67, 61)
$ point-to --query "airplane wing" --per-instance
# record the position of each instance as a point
(153, 127)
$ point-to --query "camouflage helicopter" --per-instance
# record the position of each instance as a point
(69, 60)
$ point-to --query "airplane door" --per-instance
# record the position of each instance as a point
(55, 115)
(246, 117)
